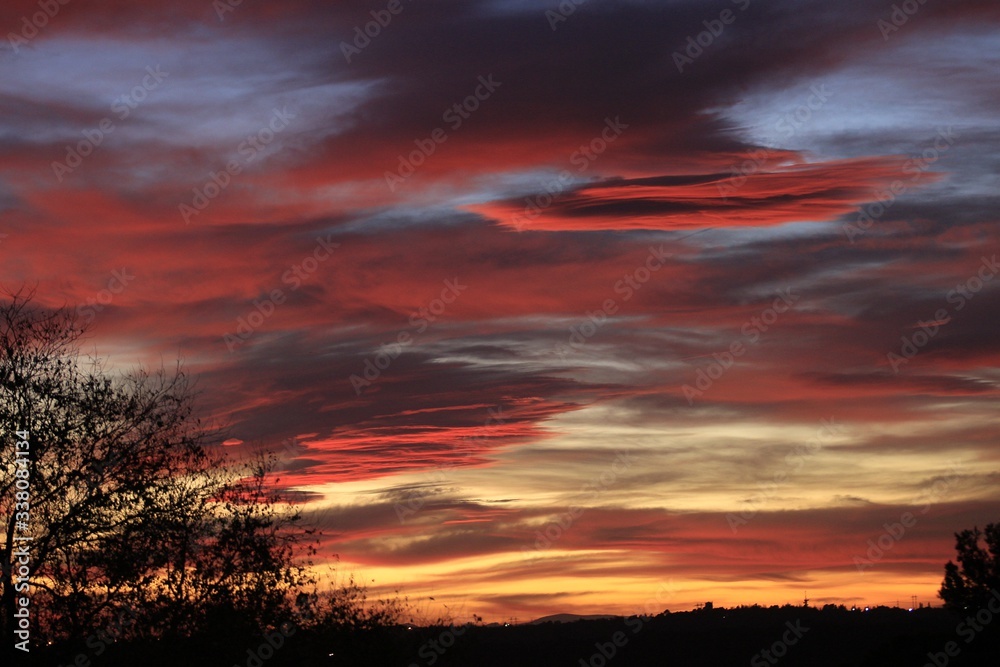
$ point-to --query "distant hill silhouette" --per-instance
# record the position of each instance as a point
(790, 636)
(572, 618)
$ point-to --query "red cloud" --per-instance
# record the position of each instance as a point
(776, 194)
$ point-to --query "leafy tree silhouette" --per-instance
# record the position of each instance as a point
(134, 511)
(970, 583)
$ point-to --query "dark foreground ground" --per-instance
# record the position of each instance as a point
(790, 636)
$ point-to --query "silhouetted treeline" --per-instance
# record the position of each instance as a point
(882, 637)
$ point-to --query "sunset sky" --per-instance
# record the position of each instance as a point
(606, 307)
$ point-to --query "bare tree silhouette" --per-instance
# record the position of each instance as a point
(133, 510)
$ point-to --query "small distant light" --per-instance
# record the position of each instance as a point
(867, 608)
(911, 608)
